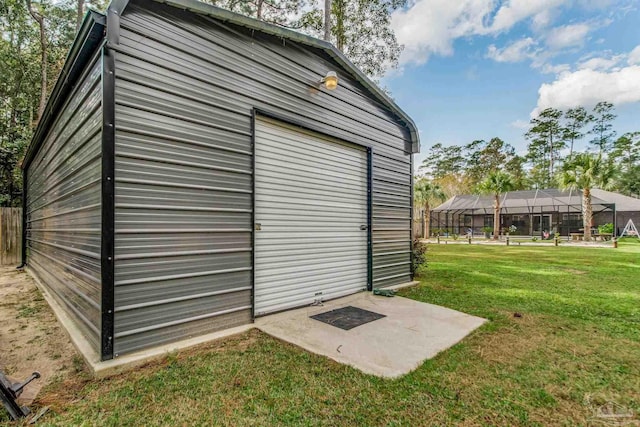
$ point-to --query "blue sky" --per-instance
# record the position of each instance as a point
(475, 69)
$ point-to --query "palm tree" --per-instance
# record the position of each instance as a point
(424, 193)
(584, 172)
(496, 183)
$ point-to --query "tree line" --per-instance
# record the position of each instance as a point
(493, 168)
(36, 37)
(37, 34)
(554, 138)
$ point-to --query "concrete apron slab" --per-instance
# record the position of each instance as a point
(411, 333)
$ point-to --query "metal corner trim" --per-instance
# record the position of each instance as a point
(108, 204)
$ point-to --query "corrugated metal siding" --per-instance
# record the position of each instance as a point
(311, 199)
(185, 87)
(63, 206)
(207, 63)
(183, 213)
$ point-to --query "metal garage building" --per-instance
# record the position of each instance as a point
(192, 171)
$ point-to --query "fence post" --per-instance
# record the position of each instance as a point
(10, 235)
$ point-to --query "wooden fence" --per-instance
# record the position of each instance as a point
(10, 236)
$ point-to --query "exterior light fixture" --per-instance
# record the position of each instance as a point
(330, 81)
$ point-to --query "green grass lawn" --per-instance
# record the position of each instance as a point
(574, 344)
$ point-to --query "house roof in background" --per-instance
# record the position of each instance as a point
(623, 203)
(533, 201)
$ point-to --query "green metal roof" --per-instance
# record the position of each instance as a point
(88, 39)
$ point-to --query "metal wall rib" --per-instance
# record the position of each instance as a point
(185, 89)
(64, 205)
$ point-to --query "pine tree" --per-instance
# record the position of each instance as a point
(547, 140)
(603, 133)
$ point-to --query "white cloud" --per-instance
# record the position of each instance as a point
(634, 56)
(600, 64)
(566, 36)
(430, 27)
(541, 51)
(514, 11)
(554, 69)
(607, 61)
(587, 87)
(542, 20)
(596, 77)
(515, 52)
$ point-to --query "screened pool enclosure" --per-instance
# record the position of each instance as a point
(531, 212)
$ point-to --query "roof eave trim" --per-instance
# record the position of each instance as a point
(245, 21)
(84, 45)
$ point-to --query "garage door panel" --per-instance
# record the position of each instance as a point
(310, 202)
(309, 186)
(310, 154)
(295, 300)
(297, 280)
(274, 255)
(284, 262)
(318, 198)
(319, 213)
(276, 271)
(311, 236)
(312, 177)
(318, 187)
(341, 276)
(292, 297)
(287, 136)
(307, 205)
(307, 166)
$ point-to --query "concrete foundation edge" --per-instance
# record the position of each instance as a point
(100, 369)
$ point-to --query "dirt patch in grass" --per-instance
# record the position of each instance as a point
(30, 337)
(72, 388)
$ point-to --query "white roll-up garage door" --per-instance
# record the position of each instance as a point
(311, 217)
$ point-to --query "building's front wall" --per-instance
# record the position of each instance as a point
(186, 86)
(63, 206)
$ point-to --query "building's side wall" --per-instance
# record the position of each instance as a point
(606, 217)
(624, 217)
(64, 206)
(185, 90)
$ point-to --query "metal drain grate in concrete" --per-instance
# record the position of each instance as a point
(347, 317)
